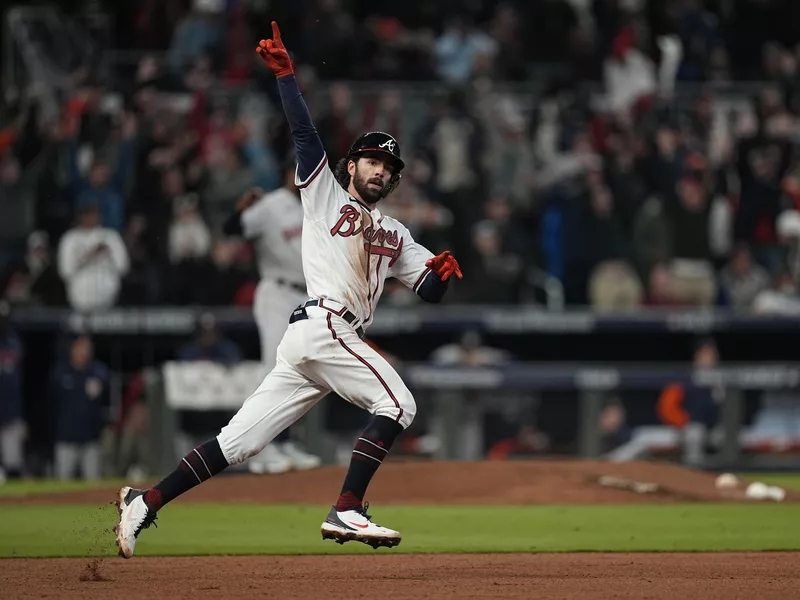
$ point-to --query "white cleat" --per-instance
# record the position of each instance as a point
(300, 459)
(355, 525)
(134, 515)
(271, 461)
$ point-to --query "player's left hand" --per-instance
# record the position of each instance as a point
(274, 54)
(444, 266)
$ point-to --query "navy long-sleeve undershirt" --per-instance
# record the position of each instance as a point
(307, 142)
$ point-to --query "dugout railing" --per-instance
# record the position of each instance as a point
(455, 400)
(589, 357)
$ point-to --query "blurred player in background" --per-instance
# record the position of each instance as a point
(12, 424)
(273, 222)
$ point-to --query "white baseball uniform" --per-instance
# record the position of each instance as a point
(348, 250)
(274, 224)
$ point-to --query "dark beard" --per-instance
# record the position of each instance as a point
(368, 194)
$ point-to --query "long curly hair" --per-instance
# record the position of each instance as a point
(340, 173)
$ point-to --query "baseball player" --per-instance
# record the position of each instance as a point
(274, 223)
(349, 249)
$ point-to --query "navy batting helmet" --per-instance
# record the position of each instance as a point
(378, 141)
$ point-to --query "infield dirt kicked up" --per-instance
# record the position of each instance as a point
(591, 575)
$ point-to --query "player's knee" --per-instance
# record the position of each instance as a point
(401, 407)
(409, 412)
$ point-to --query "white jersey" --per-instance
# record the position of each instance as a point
(93, 281)
(350, 250)
(274, 224)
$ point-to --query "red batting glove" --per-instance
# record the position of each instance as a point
(444, 266)
(274, 54)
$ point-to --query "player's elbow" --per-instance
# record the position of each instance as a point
(432, 289)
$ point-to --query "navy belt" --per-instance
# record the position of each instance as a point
(299, 313)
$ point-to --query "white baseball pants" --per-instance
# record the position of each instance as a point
(316, 355)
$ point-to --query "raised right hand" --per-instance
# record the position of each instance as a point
(274, 54)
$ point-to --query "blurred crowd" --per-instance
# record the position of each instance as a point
(596, 179)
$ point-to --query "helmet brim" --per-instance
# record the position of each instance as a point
(394, 158)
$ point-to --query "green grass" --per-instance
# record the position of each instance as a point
(26, 487)
(33, 531)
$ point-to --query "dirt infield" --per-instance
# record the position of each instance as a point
(456, 483)
(553, 576)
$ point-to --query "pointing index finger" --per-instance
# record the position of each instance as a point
(276, 33)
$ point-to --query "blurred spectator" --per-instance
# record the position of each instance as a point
(227, 183)
(592, 235)
(100, 187)
(693, 409)
(429, 222)
(507, 32)
(509, 156)
(28, 168)
(701, 38)
(660, 291)
(189, 238)
(130, 448)
(197, 33)
(459, 47)
(762, 162)
(142, 286)
(333, 125)
(331, 39)
(18, 197)
(693, 279)
(34, 280)
(454, 143)
(240, 55)
(92, 260)
(230, 277)
(501, 410)
(630, 76)
(651, 236)
(782, 298)
(13, 428)
(665, 163)
(687, 413)
(498, 275)
(470, 351)
(788, 231)
(260, 157)
(189, 249)
(614, 285)
(742, 280)
(208, 345)
(81, 402)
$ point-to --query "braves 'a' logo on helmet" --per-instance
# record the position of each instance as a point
(388, 144)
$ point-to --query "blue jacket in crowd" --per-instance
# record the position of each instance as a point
(81, 400)
(10, 378)
(221, 351)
